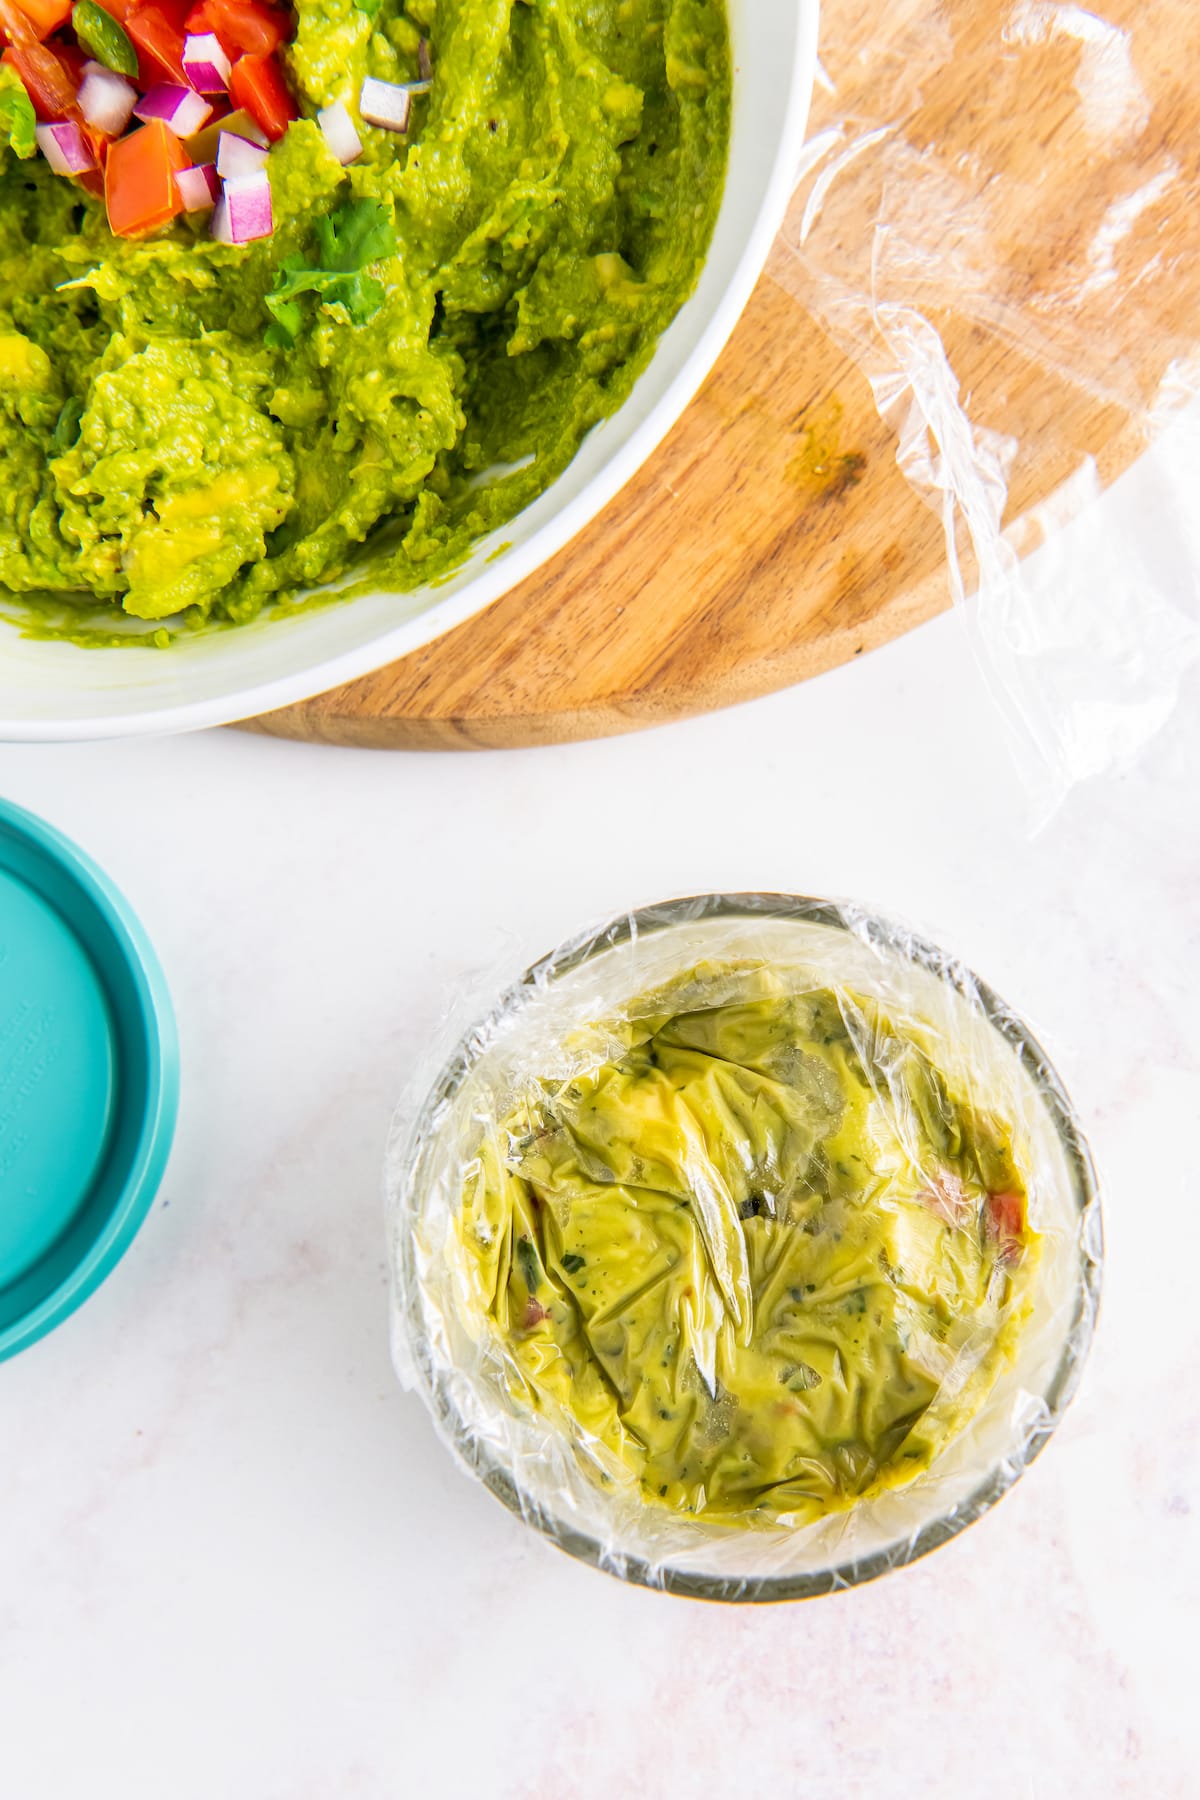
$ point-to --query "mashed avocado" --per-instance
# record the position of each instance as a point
(191, 430)
(767, 1257)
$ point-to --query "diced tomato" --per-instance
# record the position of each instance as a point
(16, 27)
(139, 179)
(1004, 1216)
(44, 16)
(256, 83)
(47, 82)
(176, 12)
(159, 45)
(203, 19)
(73, 60)
(50, 82)
(244, 27)
(256, 29)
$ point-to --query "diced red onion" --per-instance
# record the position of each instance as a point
(106, 99)
(179, 107)
(237, 156)
(205, 63)
(198, 187)
(244, 210)
(338, 129)
(387, 103)
(65, 148)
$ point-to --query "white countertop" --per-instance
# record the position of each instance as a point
(234, 1559)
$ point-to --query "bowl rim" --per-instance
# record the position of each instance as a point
(499, 572)
(1059, 1389)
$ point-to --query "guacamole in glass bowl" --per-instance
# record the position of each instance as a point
(193, 429)
(748, 1247)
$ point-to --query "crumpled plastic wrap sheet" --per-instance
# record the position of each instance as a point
(564, 1016)
(928, 221)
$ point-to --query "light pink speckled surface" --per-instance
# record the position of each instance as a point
(235, 1564)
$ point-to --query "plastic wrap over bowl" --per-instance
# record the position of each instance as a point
(551, 1024)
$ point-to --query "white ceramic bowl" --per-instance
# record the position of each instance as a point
(54, 691)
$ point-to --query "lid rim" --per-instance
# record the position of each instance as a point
(152, 1016)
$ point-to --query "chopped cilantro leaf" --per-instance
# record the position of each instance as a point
(358, 233)
(17, 117)
(66, 429)
(527, 1257)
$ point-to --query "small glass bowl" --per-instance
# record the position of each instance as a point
(533, 1467)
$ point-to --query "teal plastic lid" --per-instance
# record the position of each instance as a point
(89, 1077)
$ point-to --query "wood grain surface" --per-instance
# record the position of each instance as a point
(1034, 201)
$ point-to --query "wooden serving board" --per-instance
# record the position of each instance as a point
(1046, 174)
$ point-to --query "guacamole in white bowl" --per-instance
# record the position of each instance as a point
(76, 666)
(193, 430)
